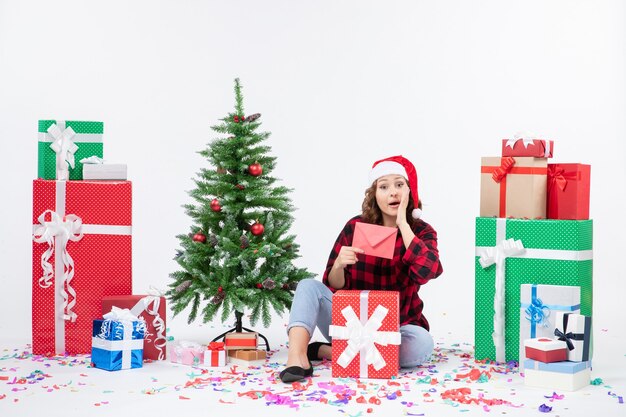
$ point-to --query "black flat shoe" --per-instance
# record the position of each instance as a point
(295, 373)
(313, 350)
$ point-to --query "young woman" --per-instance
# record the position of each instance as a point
(392, 201)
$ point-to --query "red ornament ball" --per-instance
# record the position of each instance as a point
(236, 119)
(255, 169)
(259, 285)
(257, 229)
(220, 289)
(199, 237)
(215, 205)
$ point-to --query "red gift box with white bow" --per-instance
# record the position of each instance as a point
(150, 308)
(538, 148)
(366, 334)
(82, 247)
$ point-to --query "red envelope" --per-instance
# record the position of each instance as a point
(375, 240)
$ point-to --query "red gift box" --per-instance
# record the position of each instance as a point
(152, 310)
(545, 350)
(82, 248)
(366, 334)
(538, 148)
(568, 191)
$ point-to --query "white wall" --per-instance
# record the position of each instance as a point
(340, 84)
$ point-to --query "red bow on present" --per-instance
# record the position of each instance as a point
(505, 167)
(556, 176)
(216, 346)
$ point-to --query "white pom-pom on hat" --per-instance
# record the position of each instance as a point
(398, 165)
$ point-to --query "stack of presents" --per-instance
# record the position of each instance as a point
(82, 255)
(236, 347)
(533, 265)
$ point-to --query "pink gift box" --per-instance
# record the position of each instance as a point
(187, 353)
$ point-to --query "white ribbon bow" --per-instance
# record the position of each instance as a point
(64, 147)
(362, 338)
(120, 314)
(498, 255)
(58, 232)
(151, 304)
(526, 138)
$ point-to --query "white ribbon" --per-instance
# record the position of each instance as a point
(64, 147)
(526, 138)
(58, 232)
(120, 314)
(150, 304)
(490, 255)
(498, 255)
(94, 160)
(363, 336)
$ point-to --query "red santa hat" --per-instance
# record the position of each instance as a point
(398, 165)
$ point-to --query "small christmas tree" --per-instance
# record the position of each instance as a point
(239, 254)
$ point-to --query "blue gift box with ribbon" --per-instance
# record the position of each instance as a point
(117, 343)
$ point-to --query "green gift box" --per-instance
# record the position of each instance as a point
(512, 252)
(74, 140)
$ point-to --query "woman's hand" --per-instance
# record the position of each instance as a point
(404, 202)
(347, 256)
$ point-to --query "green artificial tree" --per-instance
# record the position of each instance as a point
(239, 254)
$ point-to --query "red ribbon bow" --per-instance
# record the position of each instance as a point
(505, 167)
(556, 176)
(216, 346)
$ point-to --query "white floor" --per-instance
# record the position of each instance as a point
(67, 387)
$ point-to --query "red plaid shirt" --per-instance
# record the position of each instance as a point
(406, 272)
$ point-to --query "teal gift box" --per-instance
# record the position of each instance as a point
(512, 252)
(74, 140)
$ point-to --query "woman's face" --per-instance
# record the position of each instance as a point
(389, 190)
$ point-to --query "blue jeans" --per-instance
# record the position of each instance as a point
(311, 308)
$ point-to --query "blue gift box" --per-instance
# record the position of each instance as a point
(564, 367)
(117, 344)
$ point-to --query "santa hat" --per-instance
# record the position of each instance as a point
(398, 165)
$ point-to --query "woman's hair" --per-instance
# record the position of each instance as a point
(371, 213)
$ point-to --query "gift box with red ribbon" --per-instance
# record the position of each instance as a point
(82, 249)
(150, 308)
(538, 148)
(241, 340)
(513, 187)
(366, 334)
(568, 191)
(215, 355)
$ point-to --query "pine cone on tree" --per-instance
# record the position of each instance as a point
(245, 242)
(183, 286)
(218, 298)
(253, 117)
(269, 284)
(213, 240)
